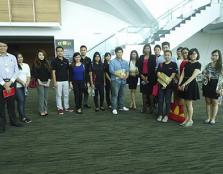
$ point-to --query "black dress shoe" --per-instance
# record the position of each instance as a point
(16, 124)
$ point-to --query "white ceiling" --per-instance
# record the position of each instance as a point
(133, 12)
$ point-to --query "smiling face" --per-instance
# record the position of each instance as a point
(185, 54)
(119, 54)
(97, 58)
(77, 59)
(41, 56)
(215, 57)
(83, 51)
(157, 51)
(60, 52)
(108, 58)
(193, 56)
(167, 56)
(147, 50)
(20, 58)
(165, 47)
(3, 48)
(134, 55)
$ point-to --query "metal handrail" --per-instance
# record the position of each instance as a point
(155, 26)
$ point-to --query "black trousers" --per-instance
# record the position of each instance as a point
(108, 93)
(99, 90)
(10, 102)
(78, 88)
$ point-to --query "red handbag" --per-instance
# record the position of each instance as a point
(10, 93)
(33, 83)
(155, 90)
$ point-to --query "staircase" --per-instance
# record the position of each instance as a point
(187, 27)
(175, 26)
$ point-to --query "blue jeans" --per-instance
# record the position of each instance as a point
(21, 99)
(117, 90)
(164, 94)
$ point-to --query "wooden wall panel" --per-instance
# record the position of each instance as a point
(4, 13)
(26, 11)
(22, 10)
(47, 10)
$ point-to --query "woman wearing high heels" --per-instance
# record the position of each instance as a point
(42, 74)
(188, 86)
(146, 65)
(133, 77)
(77, 72)
(211, 75)
(107, 59)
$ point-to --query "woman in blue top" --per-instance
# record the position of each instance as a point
(77, 80)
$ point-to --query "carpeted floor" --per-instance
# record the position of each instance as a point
(103, 143)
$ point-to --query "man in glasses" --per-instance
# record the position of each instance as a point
(8, 74)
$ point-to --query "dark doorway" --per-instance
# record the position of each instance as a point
(28, 46)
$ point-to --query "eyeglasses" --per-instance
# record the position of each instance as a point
(214, 55)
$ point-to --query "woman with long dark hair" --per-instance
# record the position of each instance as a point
(42, 73)
(211, 75)
(98, 80)
(107, 59)
(188, 86)
(22, 83)
(146, 66)
(77, 76)
(133, 77)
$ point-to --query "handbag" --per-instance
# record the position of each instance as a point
(155, 90)
(33, 83)
(10, 93)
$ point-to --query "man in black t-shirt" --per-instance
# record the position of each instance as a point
(60, 73)
(88, 73)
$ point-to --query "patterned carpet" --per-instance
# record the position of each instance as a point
(103, 143)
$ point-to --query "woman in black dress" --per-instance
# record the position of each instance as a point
(107, 59)
(211, 75)
(146, 66)
(133, 77)
(188, 86)
(97, 81)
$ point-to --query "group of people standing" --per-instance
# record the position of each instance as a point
(163, 78)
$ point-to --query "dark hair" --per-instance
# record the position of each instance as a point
(184, 48)
(83, 46)
(166, 43)
(75, 55)
(38, 62)
(218, 65)
(58, 47)
(179, 48)
(106, 55)
(168, 51)
(144, 47)
(137, 55)
(157, 46)
(19, 66)
(118, 49)
(191, 52)
(94, 56)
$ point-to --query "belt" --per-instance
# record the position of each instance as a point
(6, 80)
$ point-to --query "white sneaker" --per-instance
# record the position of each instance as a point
(165, 119)
(160, 118)
(124, 109)
(114, 111)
